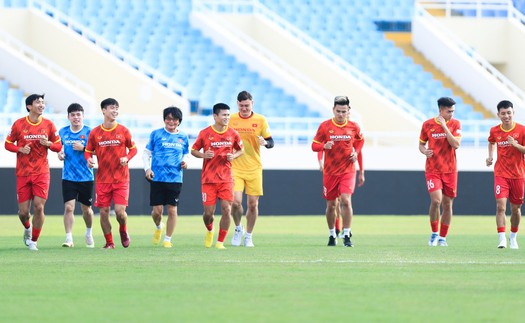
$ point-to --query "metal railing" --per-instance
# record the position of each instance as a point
(285, 131)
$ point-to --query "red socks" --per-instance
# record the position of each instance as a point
(338, 225)
(443, 231)
(35, 233)
(123, 228)
(222, 235)
(109, 238)
(434, 226)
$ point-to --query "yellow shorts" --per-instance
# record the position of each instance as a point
(251, 181)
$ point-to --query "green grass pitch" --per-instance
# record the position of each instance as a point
(290, 276)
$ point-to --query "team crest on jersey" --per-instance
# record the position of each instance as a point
(43, 131)
(118, 136)
(330, 131)
(432, 130)
(82, 137)
(228, 138)
(254, 125)
(25, 130)
(99, 137)
(210, 138)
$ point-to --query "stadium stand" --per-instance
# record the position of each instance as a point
(159, 34)
(148, 31)
(363, 44)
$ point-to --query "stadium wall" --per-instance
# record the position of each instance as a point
(295, 192)
(499, 41)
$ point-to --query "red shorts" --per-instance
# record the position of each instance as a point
(213, 191)
(335, 185)
(447, 182)
(30, 186)
(512, 189)
(105, 192)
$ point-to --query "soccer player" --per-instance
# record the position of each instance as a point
(341, 140)
(220, 145)
(163, 160)
(77, 177)
(509, 172)
(247, 169)
(438, 141)
(338, 217)
(30, 138)
(114, 147)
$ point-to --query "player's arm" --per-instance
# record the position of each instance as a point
(423, 149)
(146, 161)
(514, 143)
(266, 142)
(454, 142)
(490, 157)
(317, 146)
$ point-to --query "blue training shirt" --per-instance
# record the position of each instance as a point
(75, 166)
(167, 151)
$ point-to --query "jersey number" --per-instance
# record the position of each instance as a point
(430, 184)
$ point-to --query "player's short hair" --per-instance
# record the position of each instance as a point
(445, 102)
(505, 104)
(244, 95)
(341, 100)
(220, 106)
(174, 111)
(108, 101)
(74, 107)
(32, 98)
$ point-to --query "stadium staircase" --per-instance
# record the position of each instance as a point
(403, 40)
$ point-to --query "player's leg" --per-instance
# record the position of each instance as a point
(120, 198)
(237, 211)
(338, 219)
(24, 198)
(156, 200)
(224, 224)
(254, 189)
(85, 192)
(345, 201)
(501, 221)
(251, 217)
(156, 215)
(122, 218)
(225, 194)
(69, 221)
(517, 192)
(209, 200)
(38, 218)
(446, 220)
(515, 218)
(171, 223)
(88, 216)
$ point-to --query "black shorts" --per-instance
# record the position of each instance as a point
(80, 191)
(163, 193)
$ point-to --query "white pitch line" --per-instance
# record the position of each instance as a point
(415, 262)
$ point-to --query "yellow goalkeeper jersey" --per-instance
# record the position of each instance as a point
(250, 129)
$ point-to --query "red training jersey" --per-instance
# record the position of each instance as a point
(110, 145)
(444, 158)
(25, 132)
(510, 162)
(345, 137)
(217, 169)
